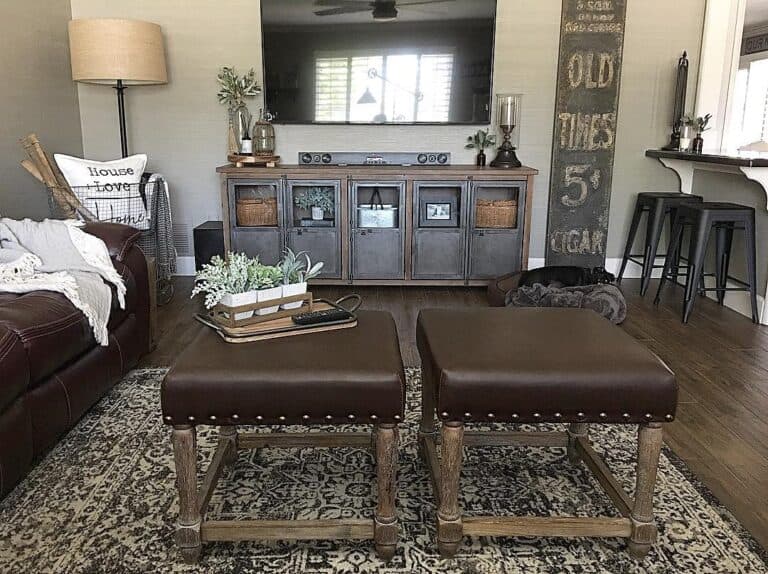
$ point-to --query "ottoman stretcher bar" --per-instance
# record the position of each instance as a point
(539, 366)
(340, 377)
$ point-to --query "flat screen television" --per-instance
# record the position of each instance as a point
(378, 62)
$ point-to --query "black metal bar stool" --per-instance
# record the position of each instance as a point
(702, 218)
(658, 205)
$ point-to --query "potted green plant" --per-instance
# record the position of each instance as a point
(480, 141)
(227, 282)
(316, 200)
(700, 125)
(238, 280)
(233, 92)
(266, 280)
(296, 271)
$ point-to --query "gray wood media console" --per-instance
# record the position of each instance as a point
(446, 225)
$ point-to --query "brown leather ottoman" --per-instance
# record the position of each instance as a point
(350, 375)
(540, 365)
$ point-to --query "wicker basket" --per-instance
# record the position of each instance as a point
(499, 213)
(257, 212)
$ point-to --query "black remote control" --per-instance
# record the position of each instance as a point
(325, 316)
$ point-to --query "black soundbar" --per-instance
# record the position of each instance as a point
(373, 158)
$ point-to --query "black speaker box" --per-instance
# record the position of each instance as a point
(209, 241)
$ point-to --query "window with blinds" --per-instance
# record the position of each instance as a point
(749, 122)
(382, 88)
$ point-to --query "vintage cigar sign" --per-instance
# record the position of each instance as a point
(588, 73)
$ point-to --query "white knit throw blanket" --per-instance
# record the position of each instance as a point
(58, 256)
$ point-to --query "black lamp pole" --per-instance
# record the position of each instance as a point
(121, 115)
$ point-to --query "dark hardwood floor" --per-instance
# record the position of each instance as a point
(720, 358)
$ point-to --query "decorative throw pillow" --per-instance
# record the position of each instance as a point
(109, 189)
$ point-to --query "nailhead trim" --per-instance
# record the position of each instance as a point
(397, 417)
(536, 415)
(603, 415)
(212, 417)
(558, 415)
(235, 417)
(328, 417)
(669, 417)
(444, 415)
(374, 417)
(491, 415)
(169, 418)
(191, 419)
(259, 418)
(580, 415)
(649, 416)
(626, 415)
(281, 418)
(351, 417)
(305, 417)
(467, 415)
(515, 416)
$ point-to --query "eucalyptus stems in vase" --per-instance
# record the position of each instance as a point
(480, 141)
(233, 92)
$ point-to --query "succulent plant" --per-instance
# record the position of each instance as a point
(297, 270)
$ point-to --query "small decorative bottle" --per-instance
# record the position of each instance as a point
(480, 160)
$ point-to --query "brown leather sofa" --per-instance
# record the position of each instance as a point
(51, 368)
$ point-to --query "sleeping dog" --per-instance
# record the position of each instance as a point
(566, 276)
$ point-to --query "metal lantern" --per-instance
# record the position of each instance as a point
(263, 136)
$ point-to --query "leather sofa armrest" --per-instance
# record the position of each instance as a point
(118, 238)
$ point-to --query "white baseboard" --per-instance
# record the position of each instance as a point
(736, 300)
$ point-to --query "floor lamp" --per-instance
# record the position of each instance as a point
(117, 53)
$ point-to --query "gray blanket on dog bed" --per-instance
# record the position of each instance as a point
(607, 300)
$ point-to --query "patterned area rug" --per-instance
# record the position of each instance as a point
(104, 501)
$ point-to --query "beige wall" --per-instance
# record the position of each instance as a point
(36, 95)
(182, 127)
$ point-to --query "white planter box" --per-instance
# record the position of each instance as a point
(317, 214)
(263, 295)
(294, 289)
(241, 299)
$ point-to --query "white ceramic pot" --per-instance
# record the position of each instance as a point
(294, 289)
(246, 147)
(317, 213)
(238, 299)
(263, 295)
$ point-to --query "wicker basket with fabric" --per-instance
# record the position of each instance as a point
(257, 212)
(496, 213)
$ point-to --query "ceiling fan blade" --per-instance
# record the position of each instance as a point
(341, 2)
(344, 10)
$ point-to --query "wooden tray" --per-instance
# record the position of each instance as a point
(254, 160)
(277, 328)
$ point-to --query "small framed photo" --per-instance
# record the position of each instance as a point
(439, 211)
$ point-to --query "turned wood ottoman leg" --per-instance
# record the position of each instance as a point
(228, 435)
(385, 517)
(188, 526)
(449, 527)
(643, 527)
(576, 431)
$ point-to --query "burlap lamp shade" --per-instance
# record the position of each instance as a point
(118, 53)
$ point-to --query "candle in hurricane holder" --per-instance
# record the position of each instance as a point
(507, 117)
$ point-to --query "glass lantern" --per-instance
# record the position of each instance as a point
(263, 138)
